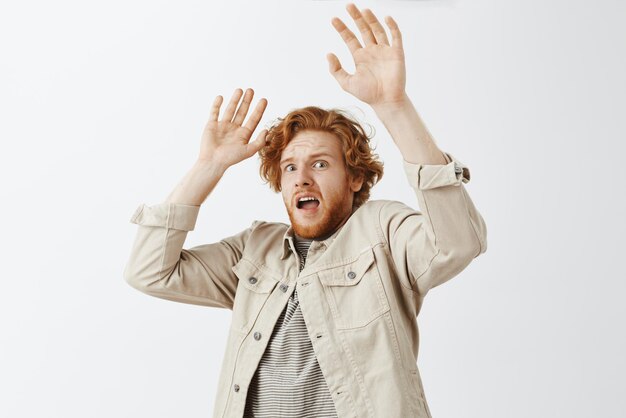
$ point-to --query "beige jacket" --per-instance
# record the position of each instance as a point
(360, 291)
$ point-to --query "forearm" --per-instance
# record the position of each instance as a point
(409, 132)
(197, 184)
(159, 266)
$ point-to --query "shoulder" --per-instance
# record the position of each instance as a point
(265, 246)
(373, 219)
(266, 226)
(268, 232)
(386, 216)
(382, 209)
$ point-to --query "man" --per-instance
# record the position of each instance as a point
(324, 310)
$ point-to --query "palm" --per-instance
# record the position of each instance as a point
(380, 74)
(227, 140)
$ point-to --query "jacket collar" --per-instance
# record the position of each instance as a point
(287, 238)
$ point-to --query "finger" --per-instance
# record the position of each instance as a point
(232, 105)
(361, 23)
(379, 30)
(346, 34)
(334, 66)
(396, 36)
(215, 108)
(256, 115)
(256, 145)
(243, 108)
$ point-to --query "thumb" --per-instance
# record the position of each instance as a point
(258, 143)
(334, 66)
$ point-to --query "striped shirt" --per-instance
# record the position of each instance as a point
(288, 382)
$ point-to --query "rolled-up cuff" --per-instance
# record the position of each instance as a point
(167, 215)
(430, 176)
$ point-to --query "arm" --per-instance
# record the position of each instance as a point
(380, 81)
(433, 245)
(158, 265)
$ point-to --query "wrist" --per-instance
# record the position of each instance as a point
(210, 167)
(390, 107)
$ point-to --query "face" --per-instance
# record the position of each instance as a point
(312, 166)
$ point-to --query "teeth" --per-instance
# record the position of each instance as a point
(305, 199)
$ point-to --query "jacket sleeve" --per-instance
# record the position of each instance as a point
(431, 246)
(160, 267)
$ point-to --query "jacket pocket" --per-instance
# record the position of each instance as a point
(253, 290)
(354, 291)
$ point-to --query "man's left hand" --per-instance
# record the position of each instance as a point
(380, 76)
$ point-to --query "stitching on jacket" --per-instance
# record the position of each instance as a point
(356, 373)
(262, 268)
(167, 231)
(480, 244)
(428, 224)
(387, 247)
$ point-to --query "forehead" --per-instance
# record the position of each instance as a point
(308, 142)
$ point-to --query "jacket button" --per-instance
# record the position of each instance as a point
(351, 275)
(236, 388)
(257, 336)
(284, 287)
(252, 280)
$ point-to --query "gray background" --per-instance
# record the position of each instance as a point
(103, 104)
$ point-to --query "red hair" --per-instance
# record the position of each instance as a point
(359, 157)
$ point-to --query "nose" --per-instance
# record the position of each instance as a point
(304, 178)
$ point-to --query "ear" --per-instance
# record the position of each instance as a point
(356, 183)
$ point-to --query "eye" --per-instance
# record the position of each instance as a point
(321, 164)
(289, 166)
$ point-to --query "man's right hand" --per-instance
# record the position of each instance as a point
(225, 142)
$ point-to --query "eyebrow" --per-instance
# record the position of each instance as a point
(317, 154)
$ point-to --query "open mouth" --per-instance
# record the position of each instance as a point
(307, 203)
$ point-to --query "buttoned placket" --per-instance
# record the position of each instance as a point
(325, 345)
(257, 335)
(317, 331)
(284, 288)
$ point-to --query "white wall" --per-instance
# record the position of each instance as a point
(103, 104)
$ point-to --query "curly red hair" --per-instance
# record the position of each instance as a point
(359, 157)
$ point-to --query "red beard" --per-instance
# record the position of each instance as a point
(323, 224)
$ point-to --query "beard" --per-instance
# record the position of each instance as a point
(333, 217)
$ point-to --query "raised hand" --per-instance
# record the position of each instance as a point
(380, 74)
(226, 141)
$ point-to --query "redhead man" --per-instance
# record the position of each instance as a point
(324, 310)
